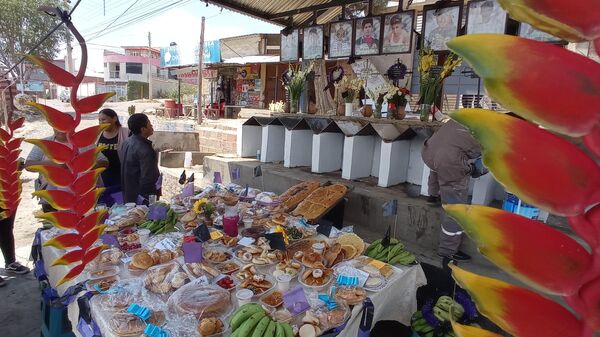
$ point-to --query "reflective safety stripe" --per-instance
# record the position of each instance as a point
(450, 233)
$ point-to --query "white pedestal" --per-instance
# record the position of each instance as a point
(249, 138)
(393, 164)
(425, 181)
(273, 137)
(484, 190)
(376, 164)
(327, 149)
(415, 162)
(298, 148)
(358, 157)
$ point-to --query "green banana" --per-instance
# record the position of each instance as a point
(270, 332)
(261, 327)
(279, 331)
(246, 328)
(288, 330)
(441, 314)
(242, 314)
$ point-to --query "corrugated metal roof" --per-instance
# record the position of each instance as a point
(270, 10)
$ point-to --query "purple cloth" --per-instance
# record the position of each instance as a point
(192, 252)
(157, 212)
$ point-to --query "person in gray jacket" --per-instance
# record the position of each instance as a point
(139, 169)
(453, 156)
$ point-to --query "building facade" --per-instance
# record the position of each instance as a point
(134, 65)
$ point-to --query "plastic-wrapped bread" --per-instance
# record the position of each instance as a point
(295, 194)
(200, 300)
(319, 201)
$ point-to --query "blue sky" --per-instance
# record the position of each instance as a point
(180, 24)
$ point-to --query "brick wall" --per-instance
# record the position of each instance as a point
(214, 140)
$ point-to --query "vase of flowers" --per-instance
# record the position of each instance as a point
(432, 78)
(205, 208)
(397, 97)
(294, 83)
(377, 95)
(350, 86)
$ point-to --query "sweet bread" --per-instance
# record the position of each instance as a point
(142, 260)
(295, 194)
(319, 201)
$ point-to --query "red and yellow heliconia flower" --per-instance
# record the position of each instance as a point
(58, 120)
(92, 103)
(514, 71)
(532, 252)
(570, 20)
(55, 151)
(588, 225)
(471, 331)
(87, 136)
(10, 175)
(518, 311)
(559, 177)
(55, 175)
(56, 74)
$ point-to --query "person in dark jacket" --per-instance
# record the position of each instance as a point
(139, 169)
(453, 156)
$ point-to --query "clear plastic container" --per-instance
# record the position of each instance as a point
(102, 272)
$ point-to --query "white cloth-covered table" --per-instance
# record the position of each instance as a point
(396, 302)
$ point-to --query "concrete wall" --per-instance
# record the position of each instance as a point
(178, 141)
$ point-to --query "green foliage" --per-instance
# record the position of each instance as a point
(22, 26)
(131, 110)
(187, 93)
(136, 90)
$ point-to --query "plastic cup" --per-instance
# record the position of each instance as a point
(244, 296)
(318, 247)
(248, 223)
(144, 235)
(283, 282)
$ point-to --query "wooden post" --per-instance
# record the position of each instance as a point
(200, 63)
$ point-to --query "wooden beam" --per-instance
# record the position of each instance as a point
(326, 5)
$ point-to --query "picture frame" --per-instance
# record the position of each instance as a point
(290, 46)
(341, 37)
(312, 42)
(367, 41)
(529, 32)
(485, 17)
(441, 24)
(356, 10)
(382, 7)
(398, 32)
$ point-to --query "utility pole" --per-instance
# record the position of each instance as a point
(69, 48)
(200, 66)
(149, 65)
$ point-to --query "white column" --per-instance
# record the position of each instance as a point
(393, 165)
(298, 148)
(327, 149)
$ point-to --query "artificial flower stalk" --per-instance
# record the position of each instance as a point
(77, 177)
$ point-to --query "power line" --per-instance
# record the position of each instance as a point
(118, 17)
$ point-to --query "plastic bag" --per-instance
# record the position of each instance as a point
(200, 300)
(164, 279)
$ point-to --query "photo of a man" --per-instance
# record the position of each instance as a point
(441, 26)
(397, 32)
(367, 31)
(313, 43)
(289, 46)
(340, 39)
(486, 17)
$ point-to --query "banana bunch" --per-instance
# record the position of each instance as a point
(447, 309)
(423, 329)
(392, 254)
(251, 320)
(161, 226)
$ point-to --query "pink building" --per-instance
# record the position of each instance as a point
(133, 65)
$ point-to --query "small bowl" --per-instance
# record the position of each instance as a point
(236, 283)
(320, 288)
(269, 306)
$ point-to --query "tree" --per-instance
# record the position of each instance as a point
(22, 26)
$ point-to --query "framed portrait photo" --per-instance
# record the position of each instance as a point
(312, 46)
(397, 32)
(367, 35)
(289, 46)
(340, 39)
(528, 32)
(356, 10)
(379, 7)
(441, 25)
(486, 16)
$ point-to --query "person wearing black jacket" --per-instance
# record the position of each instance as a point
(139, 169)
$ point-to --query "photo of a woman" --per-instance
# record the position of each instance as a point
(397, 32)
(313, 43)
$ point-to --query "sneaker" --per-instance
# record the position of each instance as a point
(2, 281)
(17, 268)
(458, 256)
(432, 199)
